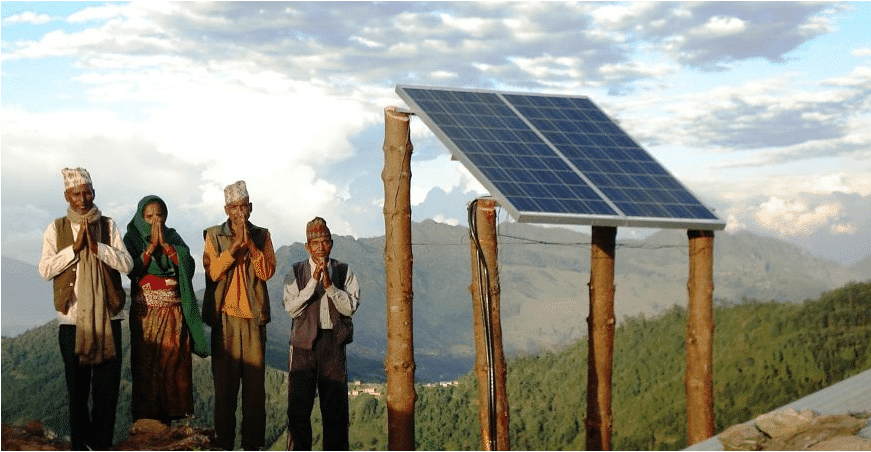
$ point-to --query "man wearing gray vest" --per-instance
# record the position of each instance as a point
(320, 294)
(84, 254)
(239, 259)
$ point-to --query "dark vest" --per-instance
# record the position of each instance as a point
(66, 280)
(305, 327)
(258, 296)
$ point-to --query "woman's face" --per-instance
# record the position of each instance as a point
(153, 213)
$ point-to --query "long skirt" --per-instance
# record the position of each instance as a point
(160, 358)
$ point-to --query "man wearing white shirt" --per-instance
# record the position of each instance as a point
(84, 254)
(321, 294)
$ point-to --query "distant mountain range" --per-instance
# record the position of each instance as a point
(543, 274)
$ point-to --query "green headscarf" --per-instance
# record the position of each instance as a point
(137, 239)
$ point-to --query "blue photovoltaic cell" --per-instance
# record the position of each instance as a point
(627, 175)
(557, 157)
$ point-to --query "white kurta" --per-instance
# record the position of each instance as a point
(54, 262)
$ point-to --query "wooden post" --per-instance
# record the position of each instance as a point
(699, 380)
(600, 332)
(399, 362)
(486, 319)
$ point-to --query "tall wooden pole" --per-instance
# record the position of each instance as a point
(600, 332)
(399, 362)
(486, 319)
(699, 380)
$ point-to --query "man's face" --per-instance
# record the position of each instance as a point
(238, 211)
(319, 248)
(80, 197)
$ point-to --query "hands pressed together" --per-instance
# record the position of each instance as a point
(158, 238)
(321, 274)
(85, 238)
(242, 239)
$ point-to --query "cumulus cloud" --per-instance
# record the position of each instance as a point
(843, 229)
(28, 17)
(782, 118)
(718, 26)
(720, 33)
(441, 173)
(793, 217)
(189, 96)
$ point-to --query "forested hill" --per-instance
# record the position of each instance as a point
(766, 354)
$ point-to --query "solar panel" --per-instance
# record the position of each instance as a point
(556, 159)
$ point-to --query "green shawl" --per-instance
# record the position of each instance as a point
(137, 239)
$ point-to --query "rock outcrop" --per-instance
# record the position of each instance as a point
(32, 436)
(145, 434)
(798, 430)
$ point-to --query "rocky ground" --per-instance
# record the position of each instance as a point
(798, 430)
(145, 434)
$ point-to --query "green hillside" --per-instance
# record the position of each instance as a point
(34, 388)
(766, 355)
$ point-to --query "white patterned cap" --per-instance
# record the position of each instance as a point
(235, 192)
(73, 177)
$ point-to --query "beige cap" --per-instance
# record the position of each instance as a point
(234, 192)
(73, 177)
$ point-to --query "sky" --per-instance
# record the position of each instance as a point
(762, 109)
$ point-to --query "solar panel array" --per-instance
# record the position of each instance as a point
(556, 159)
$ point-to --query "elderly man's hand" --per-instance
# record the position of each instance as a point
(241, 238)
(81, 238)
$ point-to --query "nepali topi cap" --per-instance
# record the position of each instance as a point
(235, 192)
(73, 177)
(317, 228)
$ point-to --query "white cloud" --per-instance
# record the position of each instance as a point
(733, 224)
(430, 174)
(547, 66)
(366, 42)
(620, 15)
(860, 77)
(831, 183)
(439, 218)
(794, 217)
(98, 13)
(843, 229)
(193, 96)
(637, 69)
(474, 26)
(720, 26)
(443, 75)
(28, 17)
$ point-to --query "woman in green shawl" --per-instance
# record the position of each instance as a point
(165, 322)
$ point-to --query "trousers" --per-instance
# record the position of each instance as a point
(238, 357)
(322, 369)
(94, 429)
